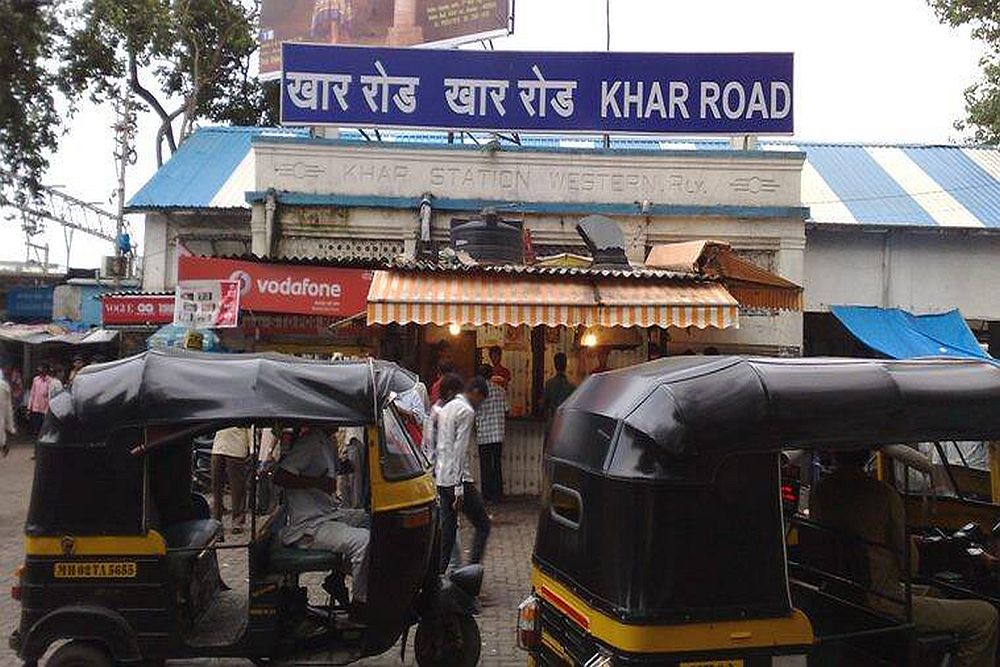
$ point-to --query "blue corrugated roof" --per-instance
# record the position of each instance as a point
(197, 172)
(958, 174)
(870, 193)
(843, 183)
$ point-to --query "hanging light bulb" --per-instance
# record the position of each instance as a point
(589, 339)
(454, 329)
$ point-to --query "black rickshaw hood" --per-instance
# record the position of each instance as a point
(712, 406)
(661, 502)
(176, 387)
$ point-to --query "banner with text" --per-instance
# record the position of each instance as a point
(286, 288)
(662, 93)
(381, 23)
(136, 309)
(207, 304)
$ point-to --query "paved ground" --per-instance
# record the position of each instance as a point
(507, 569)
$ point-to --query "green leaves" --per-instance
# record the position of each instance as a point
(982, 99)
(185, 60)
(29, 121)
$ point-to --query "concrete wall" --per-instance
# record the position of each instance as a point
(78, 303)
(208, 233)
(920, 271)
(705, 178)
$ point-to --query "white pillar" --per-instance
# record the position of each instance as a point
(258, 230)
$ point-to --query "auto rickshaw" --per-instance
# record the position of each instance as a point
(122, 560)
(661, 538)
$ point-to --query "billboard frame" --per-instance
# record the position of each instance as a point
(453, 43)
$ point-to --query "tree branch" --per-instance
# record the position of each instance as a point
(150, 99)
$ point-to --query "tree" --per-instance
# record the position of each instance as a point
(982, 99)
(185, 60)
(29, 121)
(197, 53)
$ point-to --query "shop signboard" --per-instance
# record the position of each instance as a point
(207, 304)
(628, 93)
(286, 288)
(136, 309)
(376, 23)
(29, 304)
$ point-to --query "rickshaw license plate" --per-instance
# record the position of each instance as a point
(714, 663)
(97, 570)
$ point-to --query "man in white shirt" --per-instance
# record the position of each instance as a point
(7, 424)
(452, 474)
(230, 449)
(308, 473)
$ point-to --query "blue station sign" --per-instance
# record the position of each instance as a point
(624, 93)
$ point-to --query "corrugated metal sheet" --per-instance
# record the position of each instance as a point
(213, 168)
(846, 184)
(963, 178)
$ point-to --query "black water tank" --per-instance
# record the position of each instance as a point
(488, 239)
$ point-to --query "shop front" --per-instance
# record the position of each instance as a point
(599, 319)
(309, 309)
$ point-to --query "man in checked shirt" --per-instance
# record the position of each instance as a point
(452, 475)
(491, 421)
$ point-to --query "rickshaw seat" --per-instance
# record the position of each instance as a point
(295, 561)
(191, 534)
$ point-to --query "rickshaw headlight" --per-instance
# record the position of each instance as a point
(528, 633)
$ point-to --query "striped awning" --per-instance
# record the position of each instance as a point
(403, 297)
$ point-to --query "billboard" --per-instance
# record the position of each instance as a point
(286, 288)
(207, 304)
(559, 92)
(137, 309)
(375, 23)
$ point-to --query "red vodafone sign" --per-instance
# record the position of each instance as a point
(286, 288)
(125, 309)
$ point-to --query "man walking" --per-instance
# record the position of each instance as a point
(491, 419)
(38, 399)
(7, 424)
(230, 449)
(452, 475)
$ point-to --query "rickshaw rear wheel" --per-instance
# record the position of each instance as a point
(79, 654)
(448, 641)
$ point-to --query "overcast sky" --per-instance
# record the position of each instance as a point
(865, 70)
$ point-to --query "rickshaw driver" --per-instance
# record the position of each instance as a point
(308, 473)
(851, 501)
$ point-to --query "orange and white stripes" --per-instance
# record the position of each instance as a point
(476, 299)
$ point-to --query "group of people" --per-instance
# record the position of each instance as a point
(449, 420)
(463, 412)
(49, 380)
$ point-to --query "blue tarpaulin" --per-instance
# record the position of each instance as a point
(902, 335)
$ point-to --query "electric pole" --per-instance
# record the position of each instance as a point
(125, 156)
